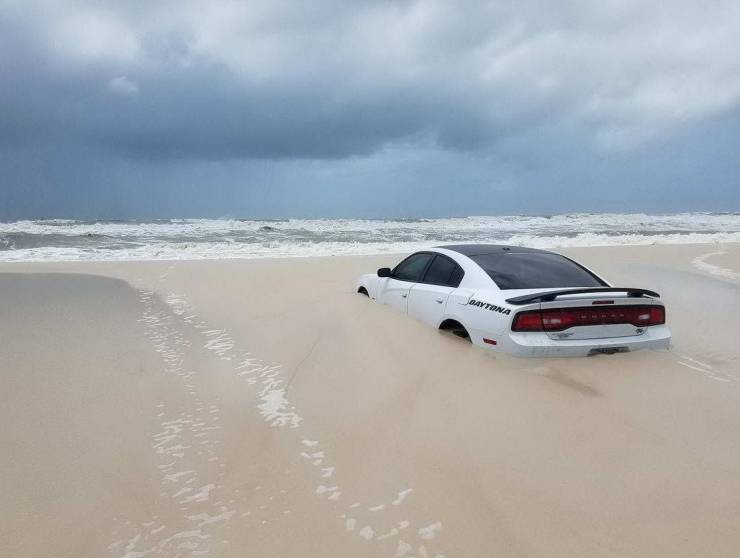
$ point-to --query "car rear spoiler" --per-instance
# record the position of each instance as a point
(552, 295)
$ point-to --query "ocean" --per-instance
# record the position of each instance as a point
(179, 239)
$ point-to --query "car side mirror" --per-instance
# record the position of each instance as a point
(384, 272)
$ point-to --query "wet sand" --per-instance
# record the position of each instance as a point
(261, 408)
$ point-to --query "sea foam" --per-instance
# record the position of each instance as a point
(195, 239)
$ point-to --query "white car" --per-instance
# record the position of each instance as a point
(522, 301)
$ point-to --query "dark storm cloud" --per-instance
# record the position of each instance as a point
(166, 101)
(97, 100)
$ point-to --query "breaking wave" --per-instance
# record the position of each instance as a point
(178, 239)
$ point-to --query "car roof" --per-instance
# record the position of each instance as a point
(484, 249)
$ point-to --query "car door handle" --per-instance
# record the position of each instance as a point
(440, 300)
(404, 295)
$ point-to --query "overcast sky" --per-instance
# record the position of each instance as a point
(276, 108)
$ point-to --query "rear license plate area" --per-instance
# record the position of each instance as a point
(608, 350)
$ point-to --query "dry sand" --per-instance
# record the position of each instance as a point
(262, 409)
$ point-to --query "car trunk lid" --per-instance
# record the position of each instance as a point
(595, 314)
(596, 318)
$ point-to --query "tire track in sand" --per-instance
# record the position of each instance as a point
(191, 466)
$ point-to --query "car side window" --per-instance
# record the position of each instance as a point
(443, 271)
(456, 277)
(412, 267)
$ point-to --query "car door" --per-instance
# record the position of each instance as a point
(427, 298)
(396, 289)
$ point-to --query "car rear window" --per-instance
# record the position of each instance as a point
(529, 270)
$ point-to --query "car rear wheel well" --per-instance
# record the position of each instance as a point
(363, 290)
(455, 327)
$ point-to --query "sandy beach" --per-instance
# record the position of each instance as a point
(261, 408)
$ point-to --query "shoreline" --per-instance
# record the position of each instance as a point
(706, 258)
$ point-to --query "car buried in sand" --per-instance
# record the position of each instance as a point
(521, 301)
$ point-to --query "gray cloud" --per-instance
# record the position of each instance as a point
(508, 95)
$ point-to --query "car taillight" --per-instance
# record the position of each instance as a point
(527, 321)
(558, 319)
(657, 315)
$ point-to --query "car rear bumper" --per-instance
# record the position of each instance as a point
(538, 344)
